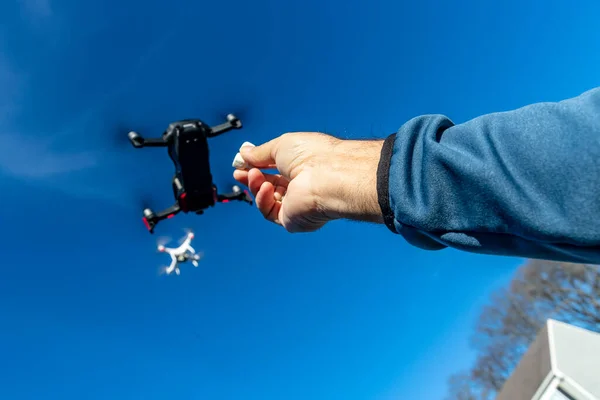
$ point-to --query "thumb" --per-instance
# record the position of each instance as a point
(262, 156)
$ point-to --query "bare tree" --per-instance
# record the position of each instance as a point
(510, 322)
(460, 387)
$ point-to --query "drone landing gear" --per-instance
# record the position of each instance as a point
(193, 256)
(237, 195)
(151, 219)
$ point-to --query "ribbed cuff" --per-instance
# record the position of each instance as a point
(383, 182)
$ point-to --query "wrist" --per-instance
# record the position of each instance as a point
(350, 173)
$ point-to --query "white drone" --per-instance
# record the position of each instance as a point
(180, 254)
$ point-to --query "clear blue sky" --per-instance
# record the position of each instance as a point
(351, 312)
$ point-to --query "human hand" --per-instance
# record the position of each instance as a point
(320, 178)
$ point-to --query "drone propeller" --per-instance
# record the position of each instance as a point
(162, 270)
(144, 201)
(236, 98)
(115, 133)
(138, 201)
(163, 241)
(183, 238)
(116, 125)
(118, 137)
(243, 112)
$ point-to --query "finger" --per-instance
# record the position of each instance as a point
(266, 202)
(262, 156)
(241, 176)
(279, 181)
(255, 180)
(280, 192)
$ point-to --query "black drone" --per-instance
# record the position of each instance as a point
(193, 187)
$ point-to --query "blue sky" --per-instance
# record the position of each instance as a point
(350, 312)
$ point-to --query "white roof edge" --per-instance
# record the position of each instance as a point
(575, 390)
(567, 383)
(546, 383)
(550, 331)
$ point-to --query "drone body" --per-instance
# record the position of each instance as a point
(185, 252)
(193, 187)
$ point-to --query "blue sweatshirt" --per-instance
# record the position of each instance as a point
(522, 183)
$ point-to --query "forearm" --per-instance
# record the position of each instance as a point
(522, 183)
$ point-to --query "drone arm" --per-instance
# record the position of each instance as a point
(219, 129)
(158, 142)
(235, 196)
(169, 212)
(138, 141)
(164, 214)
(171, 267)
(232, 123)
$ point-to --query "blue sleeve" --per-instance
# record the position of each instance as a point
(522, 183)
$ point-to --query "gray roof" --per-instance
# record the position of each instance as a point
(562, 351)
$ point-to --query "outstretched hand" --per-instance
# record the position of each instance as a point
(320, 178)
